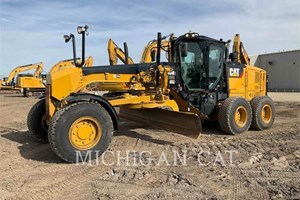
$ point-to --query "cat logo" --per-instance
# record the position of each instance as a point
(234, 72)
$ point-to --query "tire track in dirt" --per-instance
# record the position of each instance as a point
(246, 145)
(143, 187)
(57, 188)
(236, 186)
(138, 191)
(260, 191)
(269, 173)
(238, 189)
(265, 174)
(154, 178)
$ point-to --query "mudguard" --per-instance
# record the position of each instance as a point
(103, 102)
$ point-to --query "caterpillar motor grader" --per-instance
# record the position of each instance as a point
(197, 83)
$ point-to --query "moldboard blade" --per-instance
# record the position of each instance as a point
(184, 123)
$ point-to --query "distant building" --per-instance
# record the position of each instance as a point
(283, 69)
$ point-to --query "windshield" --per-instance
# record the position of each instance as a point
(202, 67)
(192, 67)
(215, 65)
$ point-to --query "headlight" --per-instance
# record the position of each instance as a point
(172, 77)
(81, 29)
(172, 82)
(67, 38)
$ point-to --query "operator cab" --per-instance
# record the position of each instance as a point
(199, 60)
(199, 65)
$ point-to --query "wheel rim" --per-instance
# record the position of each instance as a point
(266, 113)
(85, 133)
(241, 116)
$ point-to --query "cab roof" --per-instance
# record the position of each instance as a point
(196, 36)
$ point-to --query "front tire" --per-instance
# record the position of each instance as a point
(79, 131)
(36, 122)
(263, 115)
(235, 115)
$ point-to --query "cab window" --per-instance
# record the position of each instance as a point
(192, 67)
(215, 64)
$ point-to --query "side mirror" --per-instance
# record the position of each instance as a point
(153, 55)
(183, 49)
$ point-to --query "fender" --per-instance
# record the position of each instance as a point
(103, 102)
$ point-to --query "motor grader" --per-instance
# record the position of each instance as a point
(199, 82)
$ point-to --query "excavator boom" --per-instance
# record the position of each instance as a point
(89, 62)
(115, 53)
(38, 71)
(151, 48)
(239, 49)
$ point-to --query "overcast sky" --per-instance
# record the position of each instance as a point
(32, 31)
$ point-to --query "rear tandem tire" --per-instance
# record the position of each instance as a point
(36, 121)
(235, 115)
(79, 131)
(263, 115)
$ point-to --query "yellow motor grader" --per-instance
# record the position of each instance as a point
(199, 82)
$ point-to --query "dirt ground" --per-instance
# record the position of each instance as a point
(263, 164)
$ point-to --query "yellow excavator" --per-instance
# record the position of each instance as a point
(32, 85)
(10, 83)
(10, 80)
(200, 81)
(150, 49)
(148, 55)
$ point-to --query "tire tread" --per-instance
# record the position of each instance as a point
(224, 115)
(255, 105)
(57, 116)
(33, 128)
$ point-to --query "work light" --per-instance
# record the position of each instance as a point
(67, 38)
(81, 29)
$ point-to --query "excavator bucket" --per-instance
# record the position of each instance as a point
(184, 123)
